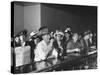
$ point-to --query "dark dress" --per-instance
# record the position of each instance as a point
(59, 50)
(85, 46)
(32, 45)
(73, 45)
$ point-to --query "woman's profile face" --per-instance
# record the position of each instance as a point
(87, 36)
(75, 37)
(36, 41)
(59, 37)
(17, 39)
(67, 35)
(22, 38)
(91, 35)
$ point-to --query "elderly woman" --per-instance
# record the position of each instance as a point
(73, 45)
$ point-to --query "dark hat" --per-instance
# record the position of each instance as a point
(87, 32)
(43, 31)
(23, 32)
(42, 28)
(67, 30)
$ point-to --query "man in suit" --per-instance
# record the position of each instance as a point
(45, 47)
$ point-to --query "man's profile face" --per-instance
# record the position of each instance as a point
(46, 37)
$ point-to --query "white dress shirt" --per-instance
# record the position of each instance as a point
(41, 51)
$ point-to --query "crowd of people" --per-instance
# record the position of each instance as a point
(54, 44)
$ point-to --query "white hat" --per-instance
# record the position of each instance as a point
(67, 29)
(60, 33)
(32, 33)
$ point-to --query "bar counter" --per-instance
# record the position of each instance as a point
(68, 62)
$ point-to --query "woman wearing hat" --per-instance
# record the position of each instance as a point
(67, 36)
(33, 41)
(86, 41)
(59, 43)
